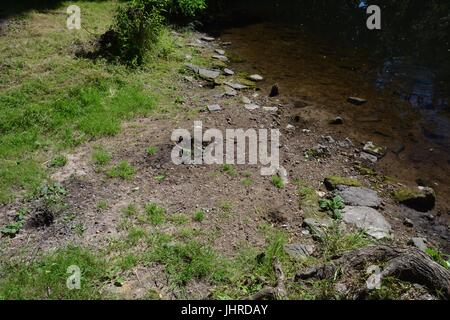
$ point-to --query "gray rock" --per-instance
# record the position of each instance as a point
(299, 250)
(358, 196)
(251, 106)
(230, 91)
(368, 157)
(207, 38)
(228, 72)
(220, 57)
(317, 226)
(356, 100)
(214, 107)
(337, 120)
(408, 222)
(290, 127)
(246, 100)
(270, 109)
(220, 52)
(419, 243)
(377, 151)
(256, 77)
(347, 143)
(369, 220)
(192, 68)
(208, 74)
(236, 86)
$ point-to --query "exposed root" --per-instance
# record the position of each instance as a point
(410, 264)
(273, 293)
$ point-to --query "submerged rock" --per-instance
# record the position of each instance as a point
(356, 100)
(256, 77)
(421, 199)
(368, 219)
(332, 182)
(358, 196)
(275, 91)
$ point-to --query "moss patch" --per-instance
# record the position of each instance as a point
(332, 182)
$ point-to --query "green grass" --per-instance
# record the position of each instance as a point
(229, 170)
(155, 214)
(101, 157)
(52, 100)
(199, 216)
(151, 151)
(122, 170)
(45, 278)
(59, 161)
(102, 205)
(278, 182)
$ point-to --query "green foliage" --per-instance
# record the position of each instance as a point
(151, 151)
(334, 206)
(278, 182)
(59, 161)
(101, 157)
(14, 227)
(155, 214)
(122, 170)
(229, 169)
(439, 257)
(187, 8)
(199, 216)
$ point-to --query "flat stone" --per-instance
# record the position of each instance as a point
(228, 72)
(419, 243)
(220, 57)
(346, 143)
(230, 91)
(256, 77)
(299, 250)
(207, 38)
(422, 199)
(214, 108)
(377, 151)
(368, 157)
(290, 127)
(358, 196)
(220, 52)
(192, 67)
(369, 220)
(251, 106)
(246, 100)
(236, 86)
(270, 109)
(208, 74)
(356, 100)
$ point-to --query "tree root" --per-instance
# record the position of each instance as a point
(273, 293)
(410, 264)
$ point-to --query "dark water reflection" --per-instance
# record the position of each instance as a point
(417, 85)
(407, 102)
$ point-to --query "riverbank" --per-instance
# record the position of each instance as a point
(141, 227)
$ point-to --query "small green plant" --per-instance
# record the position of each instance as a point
(151, 151)
(102, 205)
(247, 182)
(226, 206)
(199, 216)
(438, 257)
(101, 157)
(59, 161)
(179, 219)
(229, 169)
(278, 182)
(160, 178)
(130, 210)
(122, 170)
(14, 227)
(155, 214)
(79, 229)
(334, 206)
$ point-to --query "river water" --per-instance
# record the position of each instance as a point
(407, 110)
